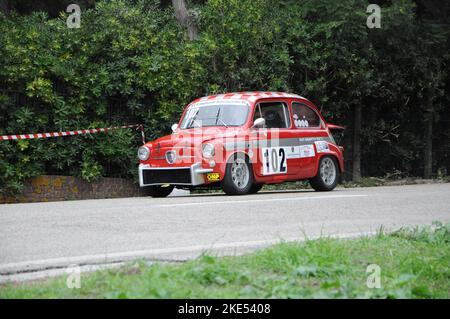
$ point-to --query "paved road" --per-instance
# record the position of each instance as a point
(50, 235)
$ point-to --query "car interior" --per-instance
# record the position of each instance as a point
(276, 114)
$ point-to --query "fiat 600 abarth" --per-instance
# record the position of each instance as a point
(241, 141)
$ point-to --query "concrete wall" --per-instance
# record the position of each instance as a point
(57, 188)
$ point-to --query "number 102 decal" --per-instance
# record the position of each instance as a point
(274, 160)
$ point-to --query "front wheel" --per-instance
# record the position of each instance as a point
(255, 188)
(327, 175)
(159, 191)
(238, 178)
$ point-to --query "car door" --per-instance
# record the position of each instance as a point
(276, 141)
(307, 126)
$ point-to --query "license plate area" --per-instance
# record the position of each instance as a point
(173, 176)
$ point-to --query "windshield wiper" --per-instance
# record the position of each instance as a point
(223, 122)
(193, 121)
(219, 119)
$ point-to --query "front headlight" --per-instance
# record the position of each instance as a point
(143, 153)
(208, 150)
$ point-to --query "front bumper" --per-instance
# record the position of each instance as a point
(184, 176)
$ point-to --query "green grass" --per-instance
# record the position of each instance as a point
(378, 181)
(287, 186)
(366, 182)
(414, 264)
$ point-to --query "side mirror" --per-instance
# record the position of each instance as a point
(259, 122)
(174, 127)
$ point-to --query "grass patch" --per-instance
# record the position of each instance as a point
(287, 186)
(378, 181)
(414, 264)
(366, 182)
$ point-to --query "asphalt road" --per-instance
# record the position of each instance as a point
(50, 235)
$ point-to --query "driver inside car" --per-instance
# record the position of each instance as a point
(273, 119)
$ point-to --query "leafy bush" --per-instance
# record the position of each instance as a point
(114, 70)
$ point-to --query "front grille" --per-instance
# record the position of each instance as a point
(167, 176)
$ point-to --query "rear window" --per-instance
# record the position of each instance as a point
(304, 116)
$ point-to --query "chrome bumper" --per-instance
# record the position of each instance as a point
(196, 172)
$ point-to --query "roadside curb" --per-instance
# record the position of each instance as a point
(39, 269)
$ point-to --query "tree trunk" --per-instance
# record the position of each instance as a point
(182, 15)
(348, 150)
(428, 151)
(357, 144)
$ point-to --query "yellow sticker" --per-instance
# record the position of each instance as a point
(213, 177)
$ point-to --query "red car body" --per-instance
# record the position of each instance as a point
(288, 145)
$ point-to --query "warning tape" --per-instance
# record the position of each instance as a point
(70, 133)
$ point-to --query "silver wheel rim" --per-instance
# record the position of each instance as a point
(328, 171)
(240, 173)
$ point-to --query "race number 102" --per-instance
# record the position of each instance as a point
(274, 160)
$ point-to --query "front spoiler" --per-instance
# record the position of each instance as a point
(197, 174)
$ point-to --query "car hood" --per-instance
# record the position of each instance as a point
(195, 137)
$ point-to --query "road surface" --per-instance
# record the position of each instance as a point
(53, 235)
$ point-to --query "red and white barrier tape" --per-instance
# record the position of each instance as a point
(70, 133)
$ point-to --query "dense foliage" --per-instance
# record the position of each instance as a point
(131, 62)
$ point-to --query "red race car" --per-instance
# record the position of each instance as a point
(241, 141)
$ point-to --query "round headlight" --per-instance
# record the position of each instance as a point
(143, 153)
(208, 150)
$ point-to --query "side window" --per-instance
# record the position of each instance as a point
(276, 114)
(304, 116)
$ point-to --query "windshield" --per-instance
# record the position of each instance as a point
(215, 115)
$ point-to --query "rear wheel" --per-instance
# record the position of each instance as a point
(238, 178)
(327, 175)
(159, 191)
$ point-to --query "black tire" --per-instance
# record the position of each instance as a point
(230, 184)
(323, 182)
(255, 188)
(159, 191)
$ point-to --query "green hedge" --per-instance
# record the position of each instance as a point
(132, 63)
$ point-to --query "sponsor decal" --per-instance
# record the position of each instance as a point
(282, 142)
(292, 152)
(275, 158)
(303, 122)
(307, 151)
(213, 177)
(321, 146)
(171, 157)
(313, 139)
(301, 151)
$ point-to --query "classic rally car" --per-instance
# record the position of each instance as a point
(241, 141)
